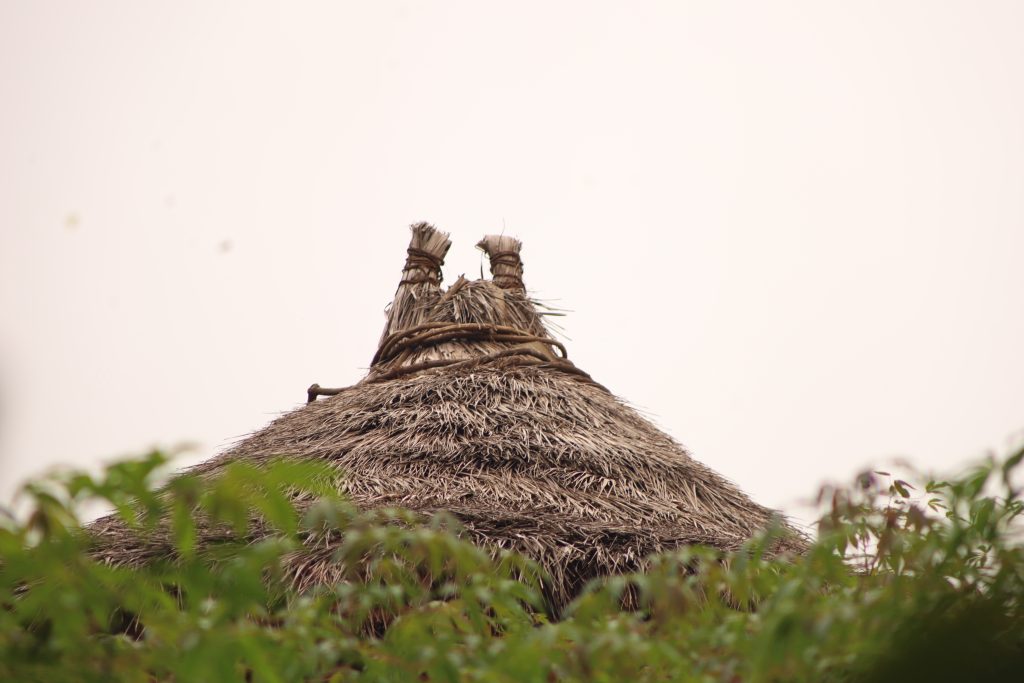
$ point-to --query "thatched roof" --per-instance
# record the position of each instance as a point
(471, 407)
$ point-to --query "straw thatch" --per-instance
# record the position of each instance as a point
(471, 407)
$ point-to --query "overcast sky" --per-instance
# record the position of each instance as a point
(789, 232)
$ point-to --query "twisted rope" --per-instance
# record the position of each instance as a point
(523, 356)
(430, 334)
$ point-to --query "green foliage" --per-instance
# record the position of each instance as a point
(899, 584)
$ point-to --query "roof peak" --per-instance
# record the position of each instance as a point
(477, 321)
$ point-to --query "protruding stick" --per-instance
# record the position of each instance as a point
(317, 390)
(506, 266)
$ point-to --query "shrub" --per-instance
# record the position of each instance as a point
(898, 584)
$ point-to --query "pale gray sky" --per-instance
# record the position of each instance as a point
(791, 232)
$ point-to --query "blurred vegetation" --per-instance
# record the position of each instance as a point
(900, 584)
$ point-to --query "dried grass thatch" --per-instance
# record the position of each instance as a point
(472, 408)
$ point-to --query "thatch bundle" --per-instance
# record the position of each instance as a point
(471, 407)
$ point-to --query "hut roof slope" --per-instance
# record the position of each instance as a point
(471, 407)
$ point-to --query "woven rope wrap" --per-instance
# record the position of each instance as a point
(514, 355)
(428, 266)
(507, 269)
(431, 334)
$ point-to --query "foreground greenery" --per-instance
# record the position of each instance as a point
(901, 584)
